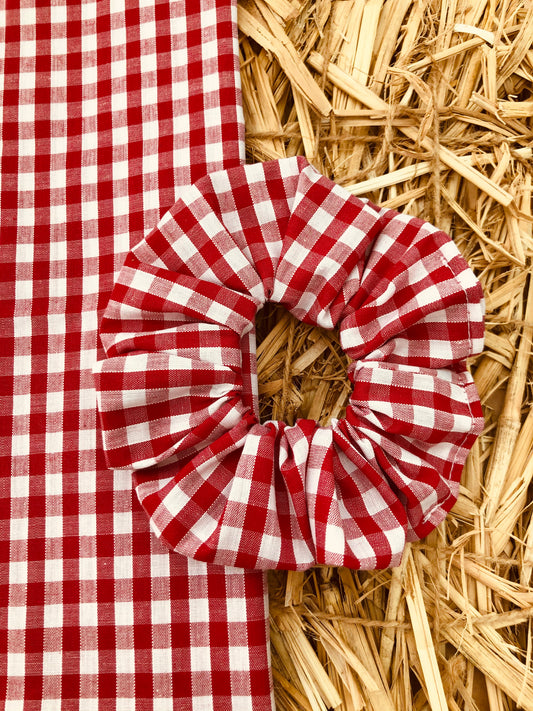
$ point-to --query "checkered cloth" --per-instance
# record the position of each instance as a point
(106, 109)
(176, 391)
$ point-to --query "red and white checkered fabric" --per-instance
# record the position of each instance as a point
(107, 108)
(177, 397)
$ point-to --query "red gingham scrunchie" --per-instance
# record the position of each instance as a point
(177, 391)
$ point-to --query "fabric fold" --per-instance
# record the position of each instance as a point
(267, 495)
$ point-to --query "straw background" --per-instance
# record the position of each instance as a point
(424, 106)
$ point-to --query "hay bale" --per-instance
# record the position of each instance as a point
(423, 106)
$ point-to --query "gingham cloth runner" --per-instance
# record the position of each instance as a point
(176, 391)
(108, 108)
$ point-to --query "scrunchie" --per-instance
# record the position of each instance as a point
(177, 394)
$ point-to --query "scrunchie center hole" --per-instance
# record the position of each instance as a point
(301, 369)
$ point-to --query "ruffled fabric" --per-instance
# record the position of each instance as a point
(177, 390)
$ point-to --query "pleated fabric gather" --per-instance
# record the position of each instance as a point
(177, 391)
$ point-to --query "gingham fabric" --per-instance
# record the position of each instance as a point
(108, 108)
(177, 398)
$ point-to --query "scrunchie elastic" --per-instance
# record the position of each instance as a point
(176, 390)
